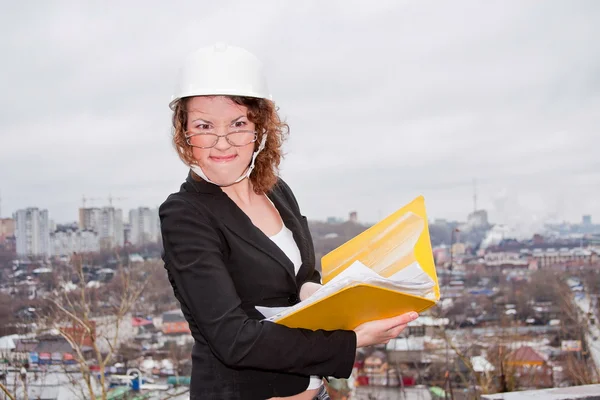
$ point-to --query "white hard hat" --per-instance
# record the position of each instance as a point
(221, 69)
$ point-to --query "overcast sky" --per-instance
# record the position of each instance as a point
(385, 99)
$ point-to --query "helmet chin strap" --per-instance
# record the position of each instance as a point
(198, 170)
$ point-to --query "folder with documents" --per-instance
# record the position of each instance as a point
(385, 271)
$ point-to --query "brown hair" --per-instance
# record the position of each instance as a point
(263, 113)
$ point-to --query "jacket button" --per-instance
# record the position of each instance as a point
(293, 299)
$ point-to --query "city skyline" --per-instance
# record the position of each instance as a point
(37, 234)
(411, 103)
(349, 215)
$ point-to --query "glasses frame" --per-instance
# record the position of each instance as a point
(189, 135)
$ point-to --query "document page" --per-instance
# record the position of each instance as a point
(410, 280)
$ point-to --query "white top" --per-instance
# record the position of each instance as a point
(285, 241)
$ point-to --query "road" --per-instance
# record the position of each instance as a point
(592, 335)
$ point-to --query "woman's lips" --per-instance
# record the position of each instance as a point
(223, 159)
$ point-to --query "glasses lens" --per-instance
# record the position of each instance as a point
(241, 138)
(203, 140)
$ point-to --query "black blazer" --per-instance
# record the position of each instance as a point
(221, 266)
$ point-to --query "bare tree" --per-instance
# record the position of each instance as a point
(6, 392)
(581, 369)
(91, 320)
(177, 354)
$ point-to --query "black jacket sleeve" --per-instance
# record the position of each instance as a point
(315, 277)
(194, 259)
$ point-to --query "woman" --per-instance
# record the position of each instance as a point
(234, 238)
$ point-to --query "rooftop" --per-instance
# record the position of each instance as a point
(525, 354)
(585, 392)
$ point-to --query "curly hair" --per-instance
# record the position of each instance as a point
(263, 113)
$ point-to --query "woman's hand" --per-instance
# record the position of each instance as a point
(307, 289)
(383, 330)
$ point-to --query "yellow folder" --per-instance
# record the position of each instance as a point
(399, 241)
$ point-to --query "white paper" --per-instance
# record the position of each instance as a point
(410, 280)
(356, 270)
(413, 273)
(269, 312)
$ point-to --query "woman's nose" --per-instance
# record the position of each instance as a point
(222, 143)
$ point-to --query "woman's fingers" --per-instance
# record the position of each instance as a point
(403, 319)
(382, 331)
(398, 330)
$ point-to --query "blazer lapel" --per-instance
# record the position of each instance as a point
(292, 222)
(239, 223)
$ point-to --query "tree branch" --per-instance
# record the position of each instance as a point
(6, 392)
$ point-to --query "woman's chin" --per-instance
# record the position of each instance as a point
(224, 179)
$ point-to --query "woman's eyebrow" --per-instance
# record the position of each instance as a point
(238, 118)
(201, 120)
(210, 122)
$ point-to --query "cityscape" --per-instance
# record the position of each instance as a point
(32, 233)
(515, 313)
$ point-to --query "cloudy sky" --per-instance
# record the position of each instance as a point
(386, 100)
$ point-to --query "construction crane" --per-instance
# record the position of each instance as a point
(111, 198)
(86, 199)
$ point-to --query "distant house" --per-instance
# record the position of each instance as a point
(406, 350)
(530, 369)
(41, 271)
(79, 334)
(25, 313)
(141, 321)
(52, 350)
(481, 365)
(505, 260)
(410, 347)
(174, 323)
(23, 347)
(427, 326)
(376, 368)
(570, 257)
(7, 345)
(478, 365)
(136, 258)
(546, 310)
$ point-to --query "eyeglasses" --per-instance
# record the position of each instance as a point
(207, 140)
